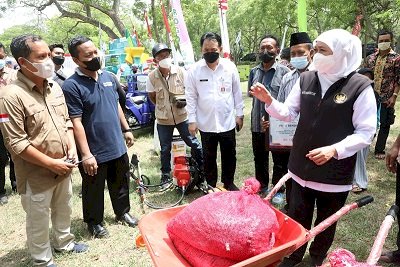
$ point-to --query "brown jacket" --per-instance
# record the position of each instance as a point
(30, 118)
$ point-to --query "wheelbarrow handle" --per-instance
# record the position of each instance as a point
(393, 211)
(364, 201)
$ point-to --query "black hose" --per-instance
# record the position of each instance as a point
(153, 206)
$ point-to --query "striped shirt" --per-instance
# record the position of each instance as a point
(272, 80)
(287, 84)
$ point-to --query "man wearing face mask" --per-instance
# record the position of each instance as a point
(334, 124)
(386, 66)
(100, 129)
(57, 55)
(215, 107)
(39, 134)
(166, 89)
(7, 75)
(270, 74)
(301, 54)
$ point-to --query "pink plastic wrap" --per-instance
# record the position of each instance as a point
(232, 226)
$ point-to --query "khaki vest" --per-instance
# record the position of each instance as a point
(166, 90)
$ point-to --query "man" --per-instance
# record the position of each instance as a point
(39, 135)
(215, 107)
(386, 66)
(166, 90)
(393, 165)
(301, 54)
(6, 76)
(100, 128)
(58, 57)
(269, 73)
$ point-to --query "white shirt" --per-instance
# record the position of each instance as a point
(364, 121)
(213, 97)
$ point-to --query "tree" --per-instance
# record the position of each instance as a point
(85, 10)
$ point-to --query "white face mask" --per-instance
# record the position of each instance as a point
(384, 46)
(45, 69)
(165, 63)
(2, 63)
(324, 64)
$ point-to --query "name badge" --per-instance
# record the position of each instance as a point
(203, 80)
(107, 84)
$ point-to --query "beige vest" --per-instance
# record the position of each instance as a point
(166, 89)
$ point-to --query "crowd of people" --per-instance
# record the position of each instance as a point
(53, 121)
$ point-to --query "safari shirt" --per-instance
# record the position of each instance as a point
(41, 120)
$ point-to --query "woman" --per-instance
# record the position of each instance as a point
(333, 126)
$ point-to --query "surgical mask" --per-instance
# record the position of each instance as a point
(58, 60)
(384, 46)
(165, 63)
(93, 65)
(211, 57)
(266, 56)
(324, 64)
(2, 63)
(45, 69)
(299, 63)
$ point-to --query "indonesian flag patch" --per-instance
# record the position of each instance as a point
(4, 117)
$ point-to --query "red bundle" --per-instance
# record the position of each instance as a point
(223, 228)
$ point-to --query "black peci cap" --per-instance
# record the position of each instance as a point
(159, 48)
(299, 38)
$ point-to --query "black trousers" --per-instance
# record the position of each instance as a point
(301, 209)
(227, 143)
(387, 118)
(116, 172)
(261, 161)
(398, 204)
(4, 157)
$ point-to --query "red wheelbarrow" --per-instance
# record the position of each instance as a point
(291, 235)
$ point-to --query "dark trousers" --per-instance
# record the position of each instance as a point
(4, 157)
(165, 133)
(116, 172)
(261, 161)
(301, 209)
(398, 204)
(386, 119)
(227, 143)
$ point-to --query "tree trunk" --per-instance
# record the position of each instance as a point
(153, 15)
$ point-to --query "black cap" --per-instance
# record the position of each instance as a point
(299, 38)
(159, 48)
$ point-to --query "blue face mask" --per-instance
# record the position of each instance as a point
(2, 63)
(299, 63)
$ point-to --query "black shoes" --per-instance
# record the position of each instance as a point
(231, 187)
(165, 182)
(98, 231)
(128, 219)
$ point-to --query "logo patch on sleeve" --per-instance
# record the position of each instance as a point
(4, 117)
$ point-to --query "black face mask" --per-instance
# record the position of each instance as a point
(58, 60)
(266, 57)
(211, 57)
(93, 64)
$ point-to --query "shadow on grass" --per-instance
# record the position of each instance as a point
(16, 258)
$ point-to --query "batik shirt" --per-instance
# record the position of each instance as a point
(386, 71)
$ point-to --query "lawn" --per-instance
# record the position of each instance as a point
(355, 232)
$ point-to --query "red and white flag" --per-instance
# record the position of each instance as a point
(4, 117)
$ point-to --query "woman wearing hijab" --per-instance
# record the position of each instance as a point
(334, 124)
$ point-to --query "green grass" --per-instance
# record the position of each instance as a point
(356, 231)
